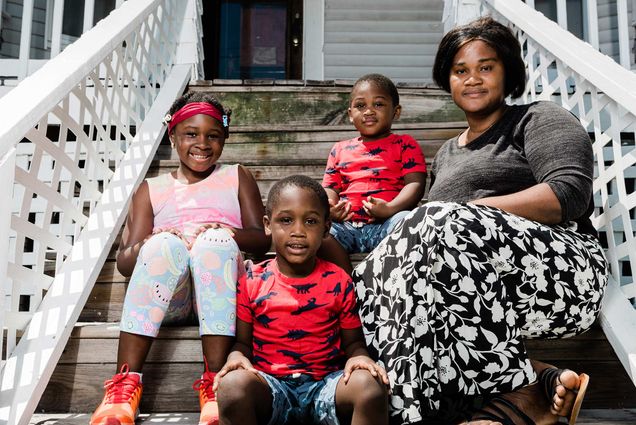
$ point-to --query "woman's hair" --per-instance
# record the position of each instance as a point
(199, 96)
(498, 37)
(383, 83)
(299, 181)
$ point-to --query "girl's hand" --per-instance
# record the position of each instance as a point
(377, 208)
(237, 362)
(364, 362)
(340, 211)
(231, 230)
(171, 230)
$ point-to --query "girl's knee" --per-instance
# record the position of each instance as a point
(215, 239)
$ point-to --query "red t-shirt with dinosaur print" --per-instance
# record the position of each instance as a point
(297, 321)
(357, 169)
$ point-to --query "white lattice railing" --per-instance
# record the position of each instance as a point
(77, 138)
(602, 94)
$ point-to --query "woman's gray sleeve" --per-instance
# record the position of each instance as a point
(559, 153)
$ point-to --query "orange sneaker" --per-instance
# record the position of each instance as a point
(207, 398)
(120, 405)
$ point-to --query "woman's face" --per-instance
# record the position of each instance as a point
(477, 79)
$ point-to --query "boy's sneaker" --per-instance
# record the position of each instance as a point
(120, 405)
(207, 398)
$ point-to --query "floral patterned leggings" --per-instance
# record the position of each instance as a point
(161, 286)
(448, 297)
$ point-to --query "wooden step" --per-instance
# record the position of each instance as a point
(301, 103)
(175, 362)
(587, 416)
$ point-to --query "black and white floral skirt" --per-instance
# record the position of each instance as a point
(448, 297)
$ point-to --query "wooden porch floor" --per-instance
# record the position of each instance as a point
(590, 416)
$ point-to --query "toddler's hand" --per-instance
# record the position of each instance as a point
(376, 207)
(233, 364)
(364, 362)
(341, 211)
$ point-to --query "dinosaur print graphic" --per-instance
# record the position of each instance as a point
(260, 300)
(296, 334)
(264, 320)
(311, 305)
(304, 289)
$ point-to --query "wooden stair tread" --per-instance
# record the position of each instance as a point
(587, 416)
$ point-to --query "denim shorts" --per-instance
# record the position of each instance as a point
(355, 237)
(299, 398)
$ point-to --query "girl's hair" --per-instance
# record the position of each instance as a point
(498, 37)
(383, 83)
(299, 181)
(199, 96)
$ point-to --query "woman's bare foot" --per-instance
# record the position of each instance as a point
(564, 388)
(527, 405)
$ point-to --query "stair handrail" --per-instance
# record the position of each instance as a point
(77, 138)
(570, 72)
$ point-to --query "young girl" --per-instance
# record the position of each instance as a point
(182, 245)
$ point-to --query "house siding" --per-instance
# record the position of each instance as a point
(397, 38)
(608, 28)
(12, 26)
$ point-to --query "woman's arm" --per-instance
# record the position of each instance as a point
(251, 238)
(538, 203)
(139, 224)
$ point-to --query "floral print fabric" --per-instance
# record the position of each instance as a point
(448, 297)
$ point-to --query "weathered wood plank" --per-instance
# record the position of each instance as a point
(587, 416)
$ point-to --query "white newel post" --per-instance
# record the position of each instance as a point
(7, 169)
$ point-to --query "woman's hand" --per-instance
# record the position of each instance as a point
(235, 361)
(377, 208)
(340, 211)
(364, 362)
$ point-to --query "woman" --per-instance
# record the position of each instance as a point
(503, 251)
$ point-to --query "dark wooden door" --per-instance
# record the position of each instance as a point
(253, 39)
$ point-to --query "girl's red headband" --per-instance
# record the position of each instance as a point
(195, 108)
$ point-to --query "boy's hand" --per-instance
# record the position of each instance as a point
(364, 362)
(235, 363)
(341, 211)
(377, 208)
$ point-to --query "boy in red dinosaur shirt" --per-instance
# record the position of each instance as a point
(297, 323)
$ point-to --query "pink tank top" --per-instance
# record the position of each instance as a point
(187, 206)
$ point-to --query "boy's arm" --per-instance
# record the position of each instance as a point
(407, 199)
(241, 353)
(352, 343)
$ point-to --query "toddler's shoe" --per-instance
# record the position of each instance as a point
(120, 405)
(207, 398)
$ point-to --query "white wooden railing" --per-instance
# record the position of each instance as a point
(52, 35)
(594, 23)
(76, 139)
(602, 94)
